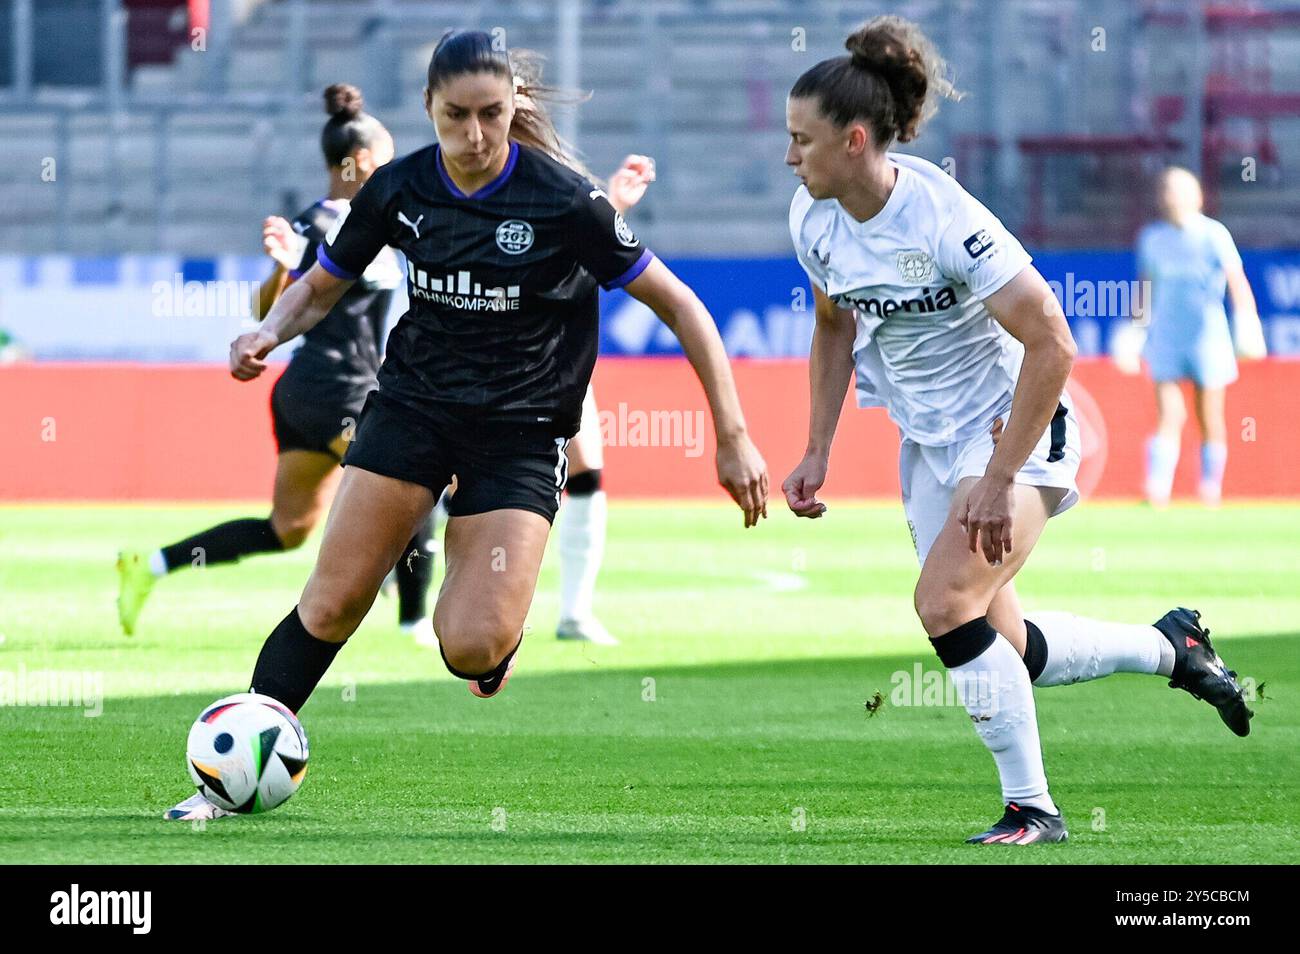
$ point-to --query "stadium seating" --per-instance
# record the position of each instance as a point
(699, 84)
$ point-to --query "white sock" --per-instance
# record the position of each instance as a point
(157, 563)
(994, 687)
(1080, 649)
(582, 548)
(1162, 461)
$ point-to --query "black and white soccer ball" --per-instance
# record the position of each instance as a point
(247, 753)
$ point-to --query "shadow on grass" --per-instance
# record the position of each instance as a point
(717, 762)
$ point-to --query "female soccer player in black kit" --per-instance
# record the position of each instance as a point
(317, 401)
(484, 376)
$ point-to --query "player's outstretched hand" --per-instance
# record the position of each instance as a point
(247, 352)
(986, 518)
(802, 485)
(628, 184)
(742, 472)
(281, 242)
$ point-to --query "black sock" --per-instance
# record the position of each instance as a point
(291, 662)
(224, 543)
(414, 574)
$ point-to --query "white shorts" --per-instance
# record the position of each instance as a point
(929, 475)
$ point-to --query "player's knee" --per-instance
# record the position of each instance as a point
(474, 646)
(292, 532)
(292, 538)
(1172, 419)
(473, 658)
(942, 609)
(469, 659)
(333, 616)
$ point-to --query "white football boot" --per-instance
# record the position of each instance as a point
(195, 808)
(589, 630)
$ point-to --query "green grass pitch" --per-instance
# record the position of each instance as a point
(729, 727)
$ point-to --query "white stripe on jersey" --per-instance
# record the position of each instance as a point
(915, 275)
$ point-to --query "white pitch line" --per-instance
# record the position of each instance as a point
(780, 582)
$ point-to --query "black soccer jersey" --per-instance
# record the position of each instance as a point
(347, 345)
(502, 283)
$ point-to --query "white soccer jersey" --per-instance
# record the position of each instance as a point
(915, 275)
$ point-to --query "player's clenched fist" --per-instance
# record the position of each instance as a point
(247, 352)
(802, 485)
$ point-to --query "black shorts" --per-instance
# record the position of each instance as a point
(307, 417)
(497, 466)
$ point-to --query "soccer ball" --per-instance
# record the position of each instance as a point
(247, 753)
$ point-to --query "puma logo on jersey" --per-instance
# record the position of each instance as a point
(940, 300)
(413, 226)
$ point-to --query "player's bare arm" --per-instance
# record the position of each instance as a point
(299, 309)
(1026, 307)
(283, 246)
(830, 369)
(1248, 333)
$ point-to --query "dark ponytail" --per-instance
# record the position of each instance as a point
(892, 78)
(349, 127)
(473, 51)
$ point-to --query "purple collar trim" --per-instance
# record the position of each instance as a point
(488, 189)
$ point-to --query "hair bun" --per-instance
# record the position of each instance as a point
(343, 102)
(881, 51)
(898, 52)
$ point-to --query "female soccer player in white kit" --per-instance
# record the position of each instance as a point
(924, 293)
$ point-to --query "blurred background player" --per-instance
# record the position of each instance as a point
(583, 517)
(1189, 258)
(317, 400)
